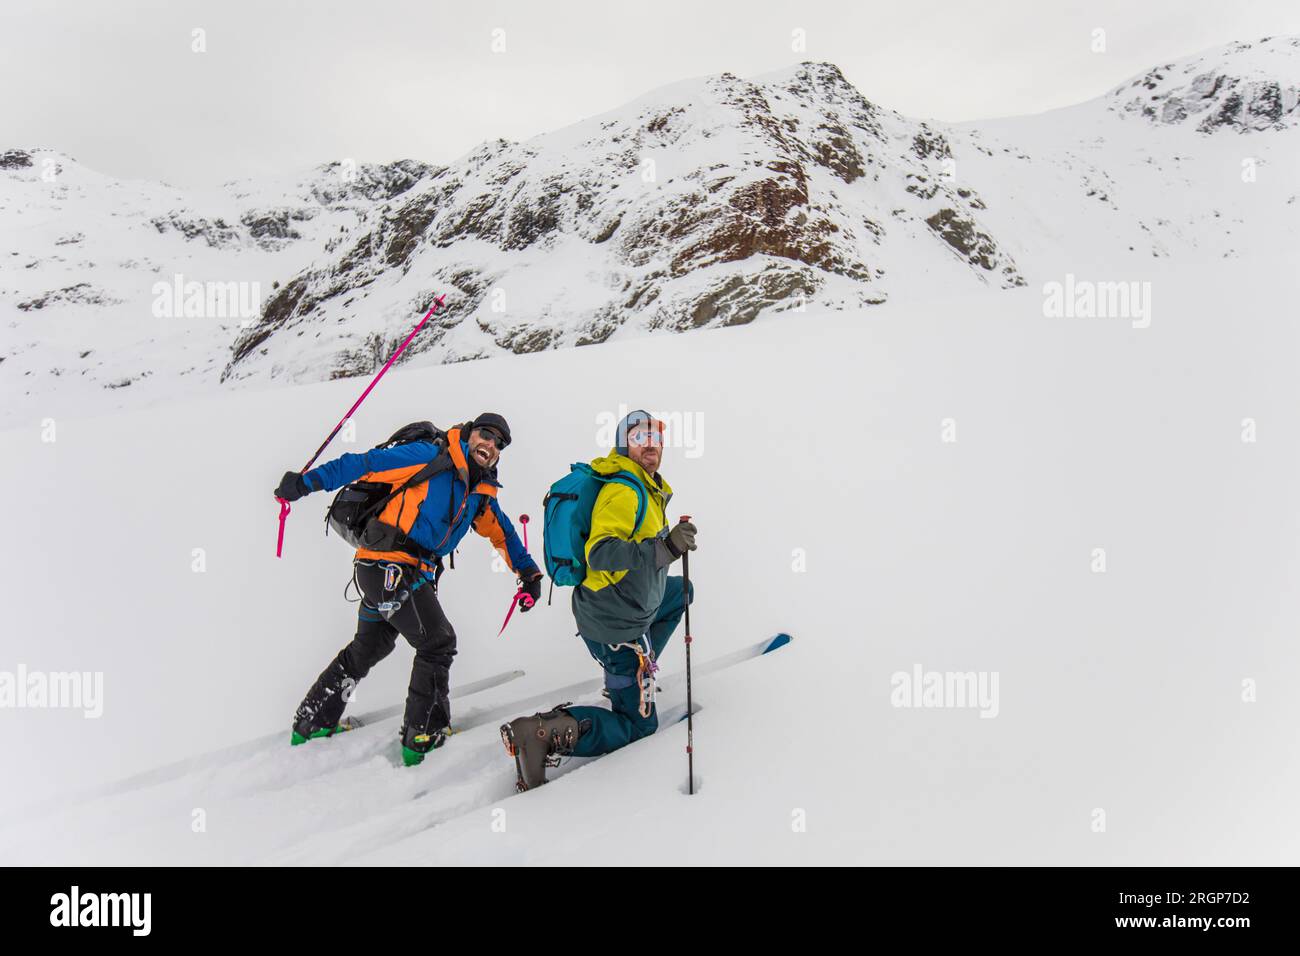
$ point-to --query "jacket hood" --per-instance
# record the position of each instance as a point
(614, 462)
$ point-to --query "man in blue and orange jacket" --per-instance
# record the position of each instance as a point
(399, 585)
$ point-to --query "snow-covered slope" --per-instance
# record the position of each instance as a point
(91, 268)
(710, 202)
(829, 505)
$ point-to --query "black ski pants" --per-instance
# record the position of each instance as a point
(395, 599)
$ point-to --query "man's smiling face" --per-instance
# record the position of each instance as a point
(485, 446)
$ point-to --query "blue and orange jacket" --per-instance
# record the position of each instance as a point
(436, 514)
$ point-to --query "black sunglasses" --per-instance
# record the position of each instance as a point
(494, 435)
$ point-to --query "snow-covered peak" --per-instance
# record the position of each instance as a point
(713, 201)
(706, 202)
(43, 165)
(1241, 86)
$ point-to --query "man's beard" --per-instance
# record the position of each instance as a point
(477, 471)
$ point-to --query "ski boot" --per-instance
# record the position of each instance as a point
(320, 713)
(539, 741)
(303, 731)
(416, 745)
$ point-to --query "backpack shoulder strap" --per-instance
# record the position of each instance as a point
(440, 463)
(642, 497)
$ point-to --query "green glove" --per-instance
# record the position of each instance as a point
(681, 539)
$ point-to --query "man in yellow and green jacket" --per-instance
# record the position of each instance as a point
(626, 608)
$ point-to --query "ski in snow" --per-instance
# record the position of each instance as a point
(229, 755)
(585, 688)
(744, 654)
(669, 715)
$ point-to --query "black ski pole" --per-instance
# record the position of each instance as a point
(690, 710)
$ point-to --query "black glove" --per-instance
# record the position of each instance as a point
(292, 486)
(681, 539)
(533, 589)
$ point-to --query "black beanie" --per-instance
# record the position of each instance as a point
(495, 421)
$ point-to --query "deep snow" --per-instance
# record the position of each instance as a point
(820, 432)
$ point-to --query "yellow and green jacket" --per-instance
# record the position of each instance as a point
(626, 571)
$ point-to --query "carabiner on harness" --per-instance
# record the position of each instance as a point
(646, 669)
(393, 579)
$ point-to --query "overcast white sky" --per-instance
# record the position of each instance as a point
(287, 84)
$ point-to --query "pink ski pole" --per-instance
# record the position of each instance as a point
(284, 505)
(520, 597)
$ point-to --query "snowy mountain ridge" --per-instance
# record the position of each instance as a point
(710, 202)
(1242, 87)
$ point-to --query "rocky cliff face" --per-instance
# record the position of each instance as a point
(705, 204)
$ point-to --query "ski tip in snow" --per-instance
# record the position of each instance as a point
(781, 640)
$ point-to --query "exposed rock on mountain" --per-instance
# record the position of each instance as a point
(711, 202)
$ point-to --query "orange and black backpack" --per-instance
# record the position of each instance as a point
(354, 512)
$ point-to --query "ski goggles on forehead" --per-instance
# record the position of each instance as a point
(494, 436)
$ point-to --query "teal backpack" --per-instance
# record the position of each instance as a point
(566, 524)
